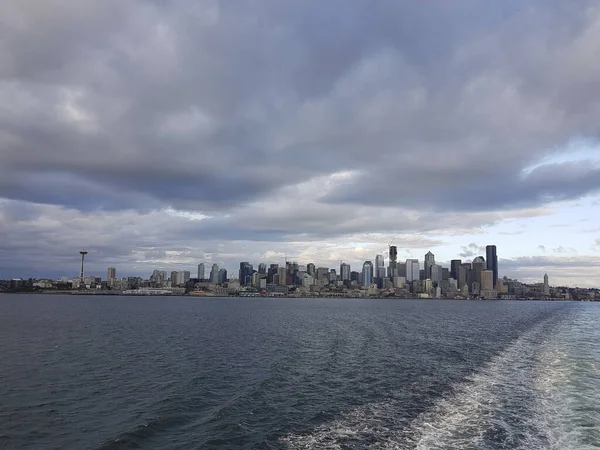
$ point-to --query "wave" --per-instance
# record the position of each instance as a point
(519, 399)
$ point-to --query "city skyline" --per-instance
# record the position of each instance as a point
(318, 131)
(410, 270)
(193, 268)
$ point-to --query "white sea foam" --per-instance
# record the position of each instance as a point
(523, 398)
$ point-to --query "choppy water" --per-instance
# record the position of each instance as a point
(182, 373)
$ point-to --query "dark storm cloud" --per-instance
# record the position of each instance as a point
(210, 105)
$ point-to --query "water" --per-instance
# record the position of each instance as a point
(224, 373)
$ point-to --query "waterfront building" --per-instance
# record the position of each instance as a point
(201, 271)
(112, 274)
(546, 290)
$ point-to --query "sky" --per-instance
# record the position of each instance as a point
(158, 135)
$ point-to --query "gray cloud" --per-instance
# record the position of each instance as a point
(562, 249)
(562, 271)
(209, 106)
(472, 250)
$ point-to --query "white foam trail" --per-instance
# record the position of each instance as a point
(567, 402)
(487, 410)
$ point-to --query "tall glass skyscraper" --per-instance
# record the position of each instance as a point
(367, 273)
(492, 261)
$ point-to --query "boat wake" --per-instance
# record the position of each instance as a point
(527, 397)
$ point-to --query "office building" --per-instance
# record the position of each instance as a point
(492, 261)
(214, 274)
(282, 276)
(112, 273)
(345, 271)
(429, 261)
(201, 271)
(487, 280)
(454, 264)
(322, 273)
(367, 273)
(436, 274)
(379, 262)
(412, 270)
(222, 276)
(245, 274)
(393, 256)
(479, 266)
(401, 267)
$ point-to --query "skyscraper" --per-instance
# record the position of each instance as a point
(393, 255)
(429, 261)
(112, 273)
(345, 271)
(222, 276)
(310, 269)
(546, 285)
(454, 268)
(379, 262)
(246, 270)
(186, 276)
(436, 274)
(282, 276)
(412, 269)
(214, 274)
(487, 280)
(367, 273)
(479, 266)
(201, 271)
(492, 261)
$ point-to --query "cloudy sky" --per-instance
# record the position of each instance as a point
(163, 134)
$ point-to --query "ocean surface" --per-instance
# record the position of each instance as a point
(94, 372)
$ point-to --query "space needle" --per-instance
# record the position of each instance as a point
(82, 253)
